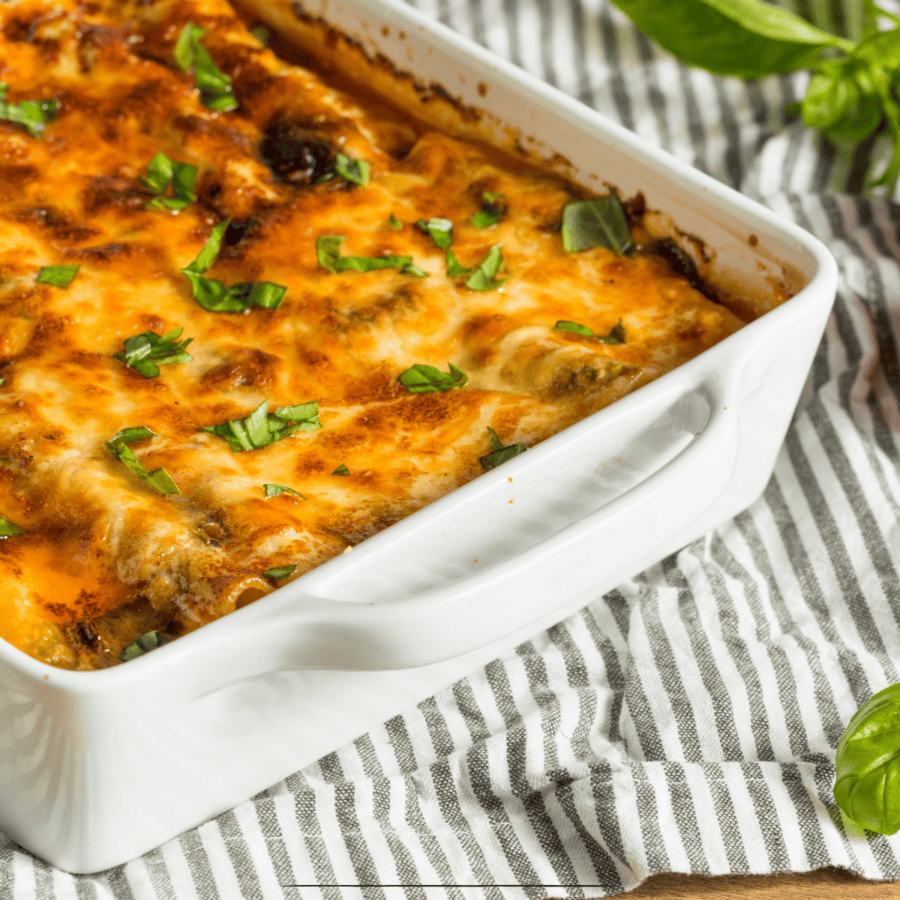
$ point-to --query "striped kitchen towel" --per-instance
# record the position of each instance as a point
(686, 721)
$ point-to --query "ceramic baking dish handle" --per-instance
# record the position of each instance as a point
(312, 630)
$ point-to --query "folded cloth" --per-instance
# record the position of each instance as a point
(687, 721)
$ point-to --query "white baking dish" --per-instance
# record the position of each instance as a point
(201, 724)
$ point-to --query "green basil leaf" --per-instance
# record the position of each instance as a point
(564, 325)
(454, 267)
(34, 115)
(747, 38)
(9, 529)
(328, 252)
(867, 764)
(413, 269)
(279, 573)
(273, 490)
(596, 223)
(616, 336)
(159, 479)
(147, 351)
(499, 454)
(422, 379)
(491, 210)
(355, 170)
(341, 470)
(483, 278)
(207, 256)
(60, 276)
(260, 428)
(831, 94)
(214, 85)
(262, 34)
(144, 644)
(441, 231)
(161, 172)
(395, 223)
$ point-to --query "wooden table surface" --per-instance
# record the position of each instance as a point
(824, 883)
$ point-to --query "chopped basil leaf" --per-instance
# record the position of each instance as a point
(422, 379)
(491, 210)
(454, 267)
(214, 85)
(355, 170)
(216, 296)
(260, 428)
(616, 336)
(9, 529)
(273, 490)
(161, 172)
(500, 453)
(482, 279)
(395, 223)
(341, 470)
(596, 223)
(118, 447)
(328, 251)
(146, 642)
(147, 351)
(2, 382)
(262, 34)
(34, 115)
(60, 276)
(563, 325)
(279, 573)
(441, 231)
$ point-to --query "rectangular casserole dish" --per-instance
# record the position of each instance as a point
(226, 711)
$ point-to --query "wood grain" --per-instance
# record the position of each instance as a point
(822, 884)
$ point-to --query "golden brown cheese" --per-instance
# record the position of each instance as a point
(105, 557)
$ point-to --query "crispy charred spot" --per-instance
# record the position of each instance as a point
(295, 152)
(111, 192)
(80, 636)
(57, 222)
(247, 368)
(237, 231)
(107, 252)
(681, 264)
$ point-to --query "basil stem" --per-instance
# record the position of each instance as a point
(260, 429)
(147, 351)
(596, 223)
(328, 252)
(499, 454)
(159, 479)
(422, 379)
(216, 296)
(34, 115)
(144, 644)
(59, 276)
(214, 85)
(9, 529)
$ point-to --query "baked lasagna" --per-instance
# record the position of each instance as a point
(248, 319)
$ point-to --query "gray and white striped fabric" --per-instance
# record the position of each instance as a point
(687, 721)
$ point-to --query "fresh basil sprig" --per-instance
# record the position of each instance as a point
(854, 85)
(34, 115)
(214, 85)
(10, 529)
(216, 296)
(159, 479)
(162, 172)
(616, 336)
(499, 454)
(328, 252)
(260, 428)
(147, 351)
(867, 764)
(596, 223)
(144, 644)
(492, 209)
(423, 379)
(59, 276)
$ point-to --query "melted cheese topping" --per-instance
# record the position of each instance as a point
(104, 556)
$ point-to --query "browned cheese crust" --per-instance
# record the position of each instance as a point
(104, 557)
